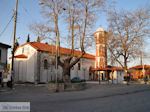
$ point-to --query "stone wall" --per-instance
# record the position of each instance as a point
(60, 87)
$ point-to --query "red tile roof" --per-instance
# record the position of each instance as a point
(116, 68)
(141, 67)
(112, 68)
(21, 56)
(52, 49)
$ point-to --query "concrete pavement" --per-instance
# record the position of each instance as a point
(97, 98)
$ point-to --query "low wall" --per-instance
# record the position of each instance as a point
(60, 87)
(75, 86)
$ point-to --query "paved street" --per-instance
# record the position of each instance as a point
(97, 98)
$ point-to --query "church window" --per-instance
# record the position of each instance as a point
(45, 64)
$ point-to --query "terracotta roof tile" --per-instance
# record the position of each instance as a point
(117, 68)
(108, 68)
(141, 67)
(21, 56)
(52, 49)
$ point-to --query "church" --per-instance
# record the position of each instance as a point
(35, 62)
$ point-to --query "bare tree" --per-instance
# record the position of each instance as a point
(79, 16)
(42, 31)
(128, 30)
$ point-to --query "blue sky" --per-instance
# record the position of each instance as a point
(29, 12)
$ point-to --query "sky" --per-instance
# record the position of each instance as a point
(29, 12)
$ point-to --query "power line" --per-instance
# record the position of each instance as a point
(6, 25)
(26, 11)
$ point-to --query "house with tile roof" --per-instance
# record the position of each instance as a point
(35, 62)
(140, 71)
(112, 74)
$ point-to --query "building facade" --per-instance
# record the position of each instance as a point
(139, 72)
(101, 70)
(35, 62)
(3, 57)
(101, 52)
(101, 49)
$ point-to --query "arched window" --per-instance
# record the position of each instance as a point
(45, 64)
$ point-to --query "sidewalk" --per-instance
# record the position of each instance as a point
(124, 82)
(5, 89)
(99, 91)
(94, 90)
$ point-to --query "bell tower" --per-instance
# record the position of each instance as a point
(101, 49)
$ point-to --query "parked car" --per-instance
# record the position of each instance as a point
(75, 80)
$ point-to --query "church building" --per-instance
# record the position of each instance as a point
(35, 62)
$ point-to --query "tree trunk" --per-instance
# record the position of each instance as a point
(66, 68)
(66, 74)
(67, 65)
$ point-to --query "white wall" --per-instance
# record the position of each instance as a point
(20, 70)
(120, 76)
(25, 68)
(83, 73)
(117, 77)
(48, 74)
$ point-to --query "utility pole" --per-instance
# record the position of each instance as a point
(14, 36)
(56, 59)
(142, 58)
(57, 52)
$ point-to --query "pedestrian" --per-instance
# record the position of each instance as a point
(145, 79)
(10, 80)
(4, 77)
(1, 78)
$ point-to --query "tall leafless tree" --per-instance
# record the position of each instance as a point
(78, 16)
(42, 31)
(128, 30)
